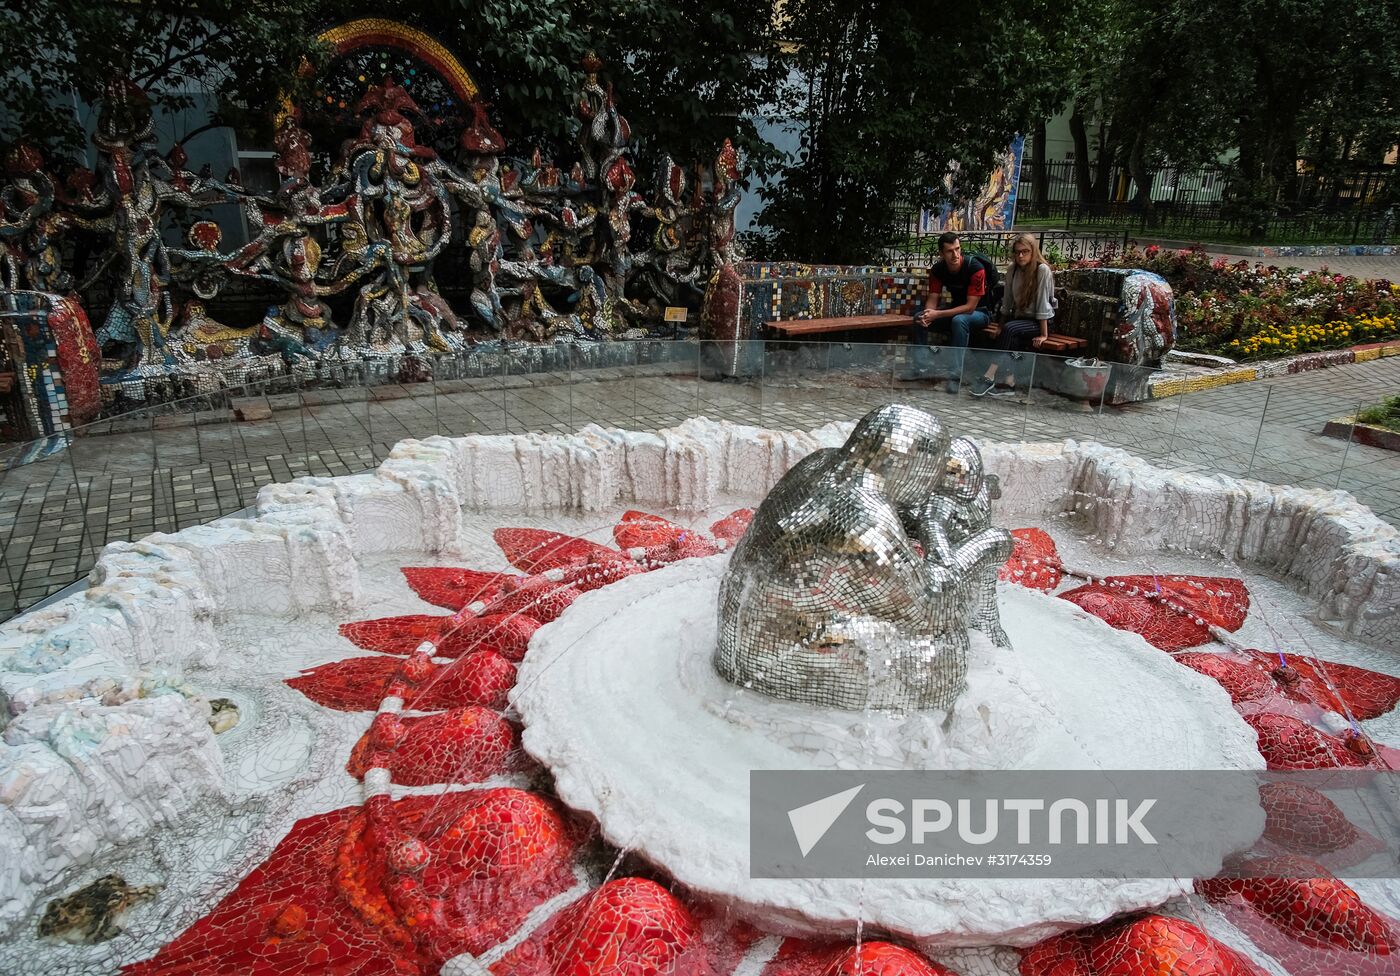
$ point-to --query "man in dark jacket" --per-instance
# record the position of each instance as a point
(967, 313)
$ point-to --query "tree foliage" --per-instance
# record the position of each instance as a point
(244, 52)
(687, 76)
(1267, 81)
(885, 97)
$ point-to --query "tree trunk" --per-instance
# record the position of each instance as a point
(1142, 176)
(1040, 171)
(1103, 166)
(1083, 184)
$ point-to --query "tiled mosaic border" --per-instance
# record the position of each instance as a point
(1173, 386)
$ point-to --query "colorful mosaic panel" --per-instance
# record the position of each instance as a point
(898, 294)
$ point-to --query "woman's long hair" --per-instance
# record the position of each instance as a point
(1025, 283)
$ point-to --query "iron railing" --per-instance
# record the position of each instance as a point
(1205, 203)
(920, 249)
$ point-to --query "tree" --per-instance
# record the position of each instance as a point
(244, 52)
(885, 100)
(687, 76)
(1129, 81)
(1272, 79)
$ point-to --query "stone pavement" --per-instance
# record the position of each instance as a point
(176, 471)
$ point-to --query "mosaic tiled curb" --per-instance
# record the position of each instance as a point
(1174, 386)
(1276, 250)
(1346, 428)
(1327, 250)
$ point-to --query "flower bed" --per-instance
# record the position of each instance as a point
(1252, 311)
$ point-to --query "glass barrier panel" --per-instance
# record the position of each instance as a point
(1219, 430)
(729, 384)
(1370, 465)
(537, 396)
(1063, 397)
(1130, 419)
(603, 385)
(1303, 439)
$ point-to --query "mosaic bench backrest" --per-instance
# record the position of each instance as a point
(820, 292)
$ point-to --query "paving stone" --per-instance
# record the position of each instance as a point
(252, 410)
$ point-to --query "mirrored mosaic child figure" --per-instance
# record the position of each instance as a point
(827, 599)
(962, 509)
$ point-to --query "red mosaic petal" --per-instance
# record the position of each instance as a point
(799, 957)
(1140, 945)
(1241, 679)
(463, 745)
(479, 678)
(1170, 612)
(1034, 562)
(884, 959)
(628, 927)
(1301, 820)
(394, 635)
(1343, 688)
(1219, 600)
(732, 527)
(538, 597)
(1160, 626)
(506, 634)
(1312, 922)
(506, 852)
(447, 586)
(359, 684)
(353, 685)
(539, 550)
(640, 530)
(1290, 743)
(292, 915)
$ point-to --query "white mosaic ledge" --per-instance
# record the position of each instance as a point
(92, 758)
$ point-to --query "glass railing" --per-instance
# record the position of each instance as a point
(169, 466)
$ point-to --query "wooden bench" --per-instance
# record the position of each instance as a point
(1057, 343)
(850, 323)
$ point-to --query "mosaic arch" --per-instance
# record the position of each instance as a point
(376, 33)
(370, 49)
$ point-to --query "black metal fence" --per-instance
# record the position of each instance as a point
(1207, 203)
(915, 249)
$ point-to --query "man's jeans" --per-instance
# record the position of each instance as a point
(963, 330)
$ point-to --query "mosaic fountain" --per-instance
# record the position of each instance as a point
(549, 774)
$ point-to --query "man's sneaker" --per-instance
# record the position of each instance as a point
(1002, 392)
(950, 386)
(981, 386)
(913, 375)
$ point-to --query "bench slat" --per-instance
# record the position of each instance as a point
(1057, 342)
(840, 324)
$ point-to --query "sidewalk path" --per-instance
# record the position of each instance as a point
(1385, 266)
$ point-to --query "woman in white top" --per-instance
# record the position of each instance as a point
(1027, 306)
